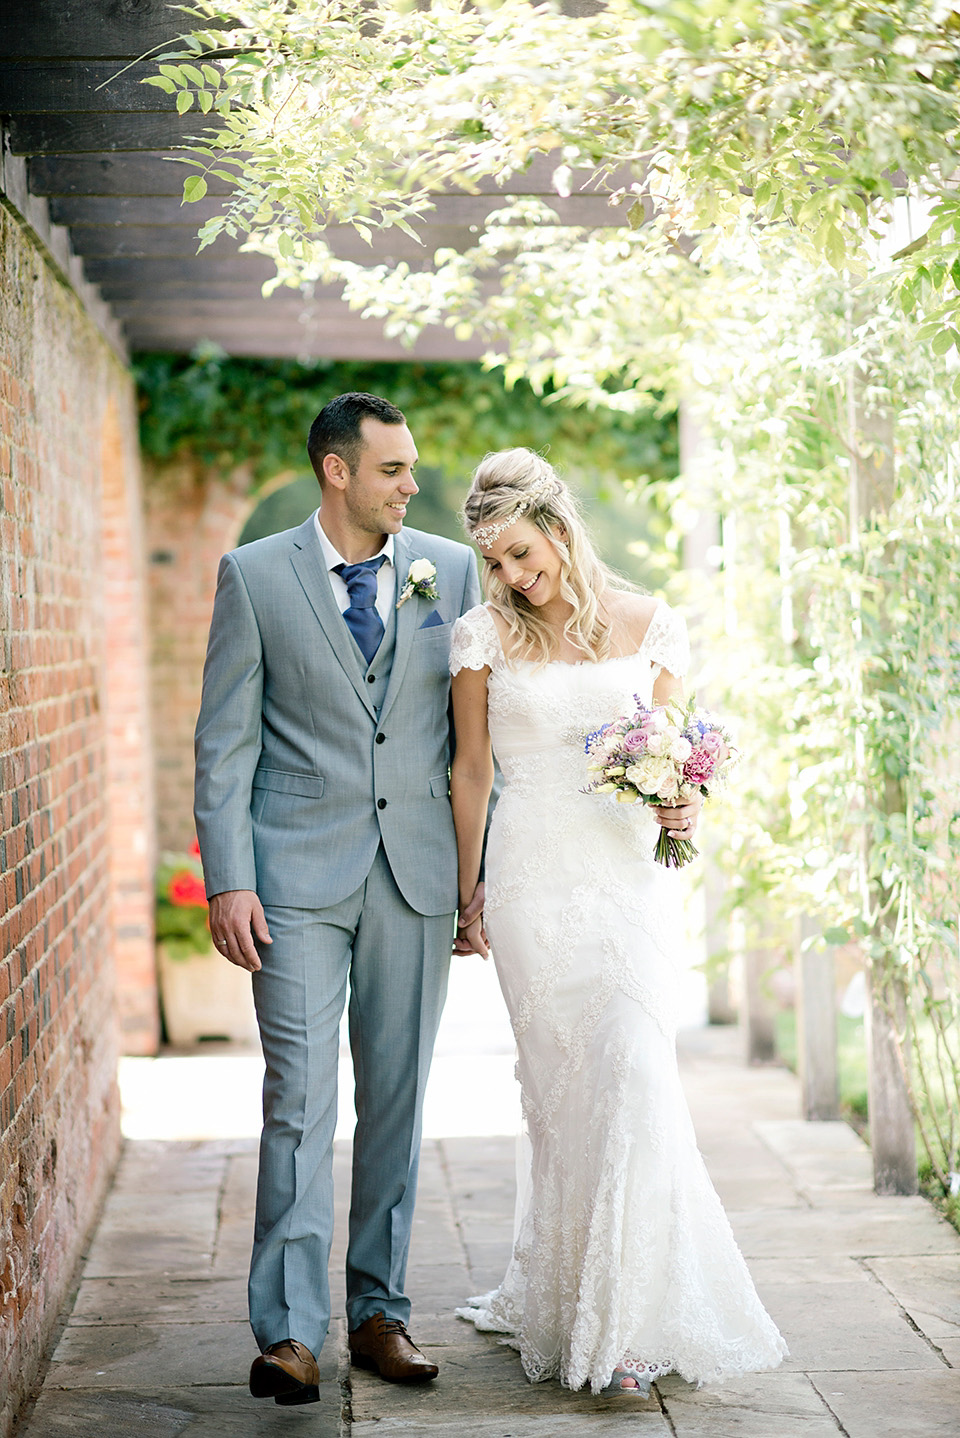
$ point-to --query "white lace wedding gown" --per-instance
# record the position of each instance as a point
(624, 1256)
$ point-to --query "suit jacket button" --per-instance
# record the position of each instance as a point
(381, 803)
(371, 679)
(380, 738)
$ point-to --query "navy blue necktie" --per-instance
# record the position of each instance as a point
(362, 618)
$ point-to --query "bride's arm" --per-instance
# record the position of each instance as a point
(471, 779)
(682, 818)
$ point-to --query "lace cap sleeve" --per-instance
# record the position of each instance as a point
(666, 642)
(474, 643)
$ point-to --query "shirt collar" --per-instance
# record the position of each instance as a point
(332, 558)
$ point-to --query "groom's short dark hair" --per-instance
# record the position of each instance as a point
(336, 429)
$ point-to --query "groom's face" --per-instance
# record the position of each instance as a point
(380, 488)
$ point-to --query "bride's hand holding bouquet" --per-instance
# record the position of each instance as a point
(664, 755)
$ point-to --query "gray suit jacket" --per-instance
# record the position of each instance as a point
(298, 779)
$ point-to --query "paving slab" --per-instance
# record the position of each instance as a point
(595, 1425)
(743, 1191)
(828, 1268)
(927, 1287)
(155, 1298)
(118, 1355)
(209, 1412)
(845, 1326)
(123, 1253)
(893, 1405)
(437, 1289)
(887, 1227)
(760, 1405)
(821, 1154)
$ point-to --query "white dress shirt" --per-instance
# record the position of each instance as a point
(386, 575)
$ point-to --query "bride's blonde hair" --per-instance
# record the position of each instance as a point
(514, 484)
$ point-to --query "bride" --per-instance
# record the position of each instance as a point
(624, 1266)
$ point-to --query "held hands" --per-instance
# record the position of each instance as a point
(471, 938)
(680, 819)
(236, 918)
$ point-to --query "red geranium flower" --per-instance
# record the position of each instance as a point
(186, 890)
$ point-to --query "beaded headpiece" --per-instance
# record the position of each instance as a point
(485, 534)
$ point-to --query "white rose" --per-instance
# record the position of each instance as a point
(655, 744)
(420, 569)
(669, 787)
(680, 750)
(648, 773)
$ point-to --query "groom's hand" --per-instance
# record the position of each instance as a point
(236, 916)
(466, 940)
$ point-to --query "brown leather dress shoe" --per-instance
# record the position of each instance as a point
(383, 1345)
(286, 1372)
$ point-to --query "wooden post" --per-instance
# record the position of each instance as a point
(892, 1136)
(893, 1140)
(756, 1003)
(816, 1024)
(760, 1045)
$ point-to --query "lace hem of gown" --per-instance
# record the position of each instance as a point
(484, 1311)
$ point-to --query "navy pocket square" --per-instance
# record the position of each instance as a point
(434, 617)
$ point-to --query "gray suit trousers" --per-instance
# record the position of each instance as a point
(396, 961)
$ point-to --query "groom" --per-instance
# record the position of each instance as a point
(322, 809)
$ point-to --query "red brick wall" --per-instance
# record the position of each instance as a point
(129, 756)
(193, 516)
(75, 826)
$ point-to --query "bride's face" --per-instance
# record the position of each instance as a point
(523, 558)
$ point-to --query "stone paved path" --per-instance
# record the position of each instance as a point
(866, 1291)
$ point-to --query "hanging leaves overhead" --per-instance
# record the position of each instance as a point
(710, 124)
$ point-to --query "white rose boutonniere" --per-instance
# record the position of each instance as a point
(420, 580)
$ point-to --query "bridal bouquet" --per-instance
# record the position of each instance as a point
(662, 754)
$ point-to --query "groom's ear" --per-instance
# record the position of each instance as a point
(334, 471)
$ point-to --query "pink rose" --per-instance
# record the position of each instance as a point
(634, 740)
(711, 741)
(700, 766)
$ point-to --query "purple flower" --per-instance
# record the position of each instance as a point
(711, 741)
(634, 740)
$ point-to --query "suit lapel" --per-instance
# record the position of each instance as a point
(406, 618)
(307, 559)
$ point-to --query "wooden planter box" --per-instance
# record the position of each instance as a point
(205, 997)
